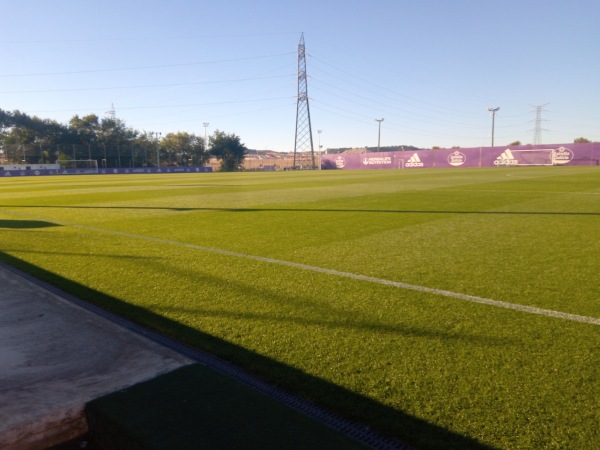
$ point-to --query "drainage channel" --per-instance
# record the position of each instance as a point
(356, 431)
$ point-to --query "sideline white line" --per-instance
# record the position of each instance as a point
(337, 273)
(397, 284)
(354, 276)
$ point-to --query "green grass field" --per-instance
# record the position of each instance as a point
(287, 274)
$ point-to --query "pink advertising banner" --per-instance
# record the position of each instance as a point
(526, 155)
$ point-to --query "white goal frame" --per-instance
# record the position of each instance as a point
(79, 165)
(532, 154)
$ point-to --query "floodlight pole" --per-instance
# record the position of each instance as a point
(493, 111)
(379, 134)
(158, 149)
(205, 124)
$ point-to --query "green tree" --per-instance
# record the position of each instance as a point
(116, 138)
(146, 145)
(6, 120)
(84, 130)
(25, 129)
(184, 148)
(581, 140)
(115, 131)
(29, 138)
(515, 143)
(229, 149)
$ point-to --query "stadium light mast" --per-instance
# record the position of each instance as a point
(493, 111)
(379, 134)
(157, 135)
(205, 124)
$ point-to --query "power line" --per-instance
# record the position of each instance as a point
(141, 86)
(146, 38)
(368, 82)
(170, 106)
(161, 66)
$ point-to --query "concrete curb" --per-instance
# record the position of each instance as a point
(55, 357)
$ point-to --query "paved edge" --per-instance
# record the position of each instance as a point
(358, 432)
(56, 356)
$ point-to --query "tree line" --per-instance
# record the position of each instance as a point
(28, 139)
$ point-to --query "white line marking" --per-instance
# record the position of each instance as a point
(354, 276)
(337, 273)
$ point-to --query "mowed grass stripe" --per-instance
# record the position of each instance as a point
(337, 273)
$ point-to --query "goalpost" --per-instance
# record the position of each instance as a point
(539, 157)
(78, 165)
(528, 157)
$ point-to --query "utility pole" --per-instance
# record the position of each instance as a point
(379, 134)
(493, 111)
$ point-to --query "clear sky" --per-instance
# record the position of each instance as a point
(430, 68)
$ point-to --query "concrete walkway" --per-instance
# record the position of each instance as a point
(55, 357)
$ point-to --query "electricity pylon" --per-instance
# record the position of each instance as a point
(537, 130)
(304, 141)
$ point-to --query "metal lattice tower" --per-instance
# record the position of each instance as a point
(304, 153)
(111, 113)
(537, 131)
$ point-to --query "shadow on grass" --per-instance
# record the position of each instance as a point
(305, 210)
(79, 254)
(388, 421)
(317, 313)
(23, 224)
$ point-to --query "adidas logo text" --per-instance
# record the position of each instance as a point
(506, 158)
(414, 161)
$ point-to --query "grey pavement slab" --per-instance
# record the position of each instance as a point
(55, 357)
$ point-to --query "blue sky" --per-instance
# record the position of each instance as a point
(430, 68)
